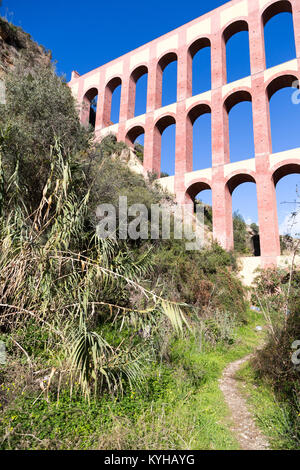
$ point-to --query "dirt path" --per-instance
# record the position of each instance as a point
(244, 428)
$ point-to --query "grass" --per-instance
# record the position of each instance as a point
(271, 416)
(180, 408)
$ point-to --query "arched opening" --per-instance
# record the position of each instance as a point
(135, 139)
(236, 38)
(284, 113)
(287, 183)
(244, 215)
(199, 118)
(240, 125)
(167, 79)
(138, 91)
(89, 108)
(112, 101)
(200, 54)
(201, 193)
(279, 33)
(165, 137)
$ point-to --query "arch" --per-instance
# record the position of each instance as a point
(278, 33)
(199, 128)
(166, 80)
(288, 203)
(235, 98)
(164, 144)
(199, 60)
(113, 83)
(198, 187)
(89, 107)
(110, 89)
(240, 125)
(235, 28)
(282, 6)
(279, 82)
(284, 114)
(195, 188)
(167, 59)
(198, 110)
(285, 169)
(236, 41)
(165, 121)
(137, 97)
(237, 178)
(134, 133)
(244, 242)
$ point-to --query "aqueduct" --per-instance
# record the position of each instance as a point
(213, 29)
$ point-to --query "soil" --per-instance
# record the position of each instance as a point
(244, 427)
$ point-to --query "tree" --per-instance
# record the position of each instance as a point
(240, 233)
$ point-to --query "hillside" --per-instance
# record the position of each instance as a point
(16, 44)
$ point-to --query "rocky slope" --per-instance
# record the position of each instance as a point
(16, 44)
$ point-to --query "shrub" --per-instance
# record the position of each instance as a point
(39, 110)
(239, 233)
(139, 151)
(274, 362)
(204, 279)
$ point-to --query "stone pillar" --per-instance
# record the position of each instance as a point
(266, 193)
(219, 118)
(261, 118)
(100, 104)
(256, 38)
(221, 197)
(127, 100)
(220, 130)
(184, 127)
(152, 145)
(154, 82)
(218, 55)
(222, 210)
(296, 21)
(267, 215)
(152, 152)
(104, 104)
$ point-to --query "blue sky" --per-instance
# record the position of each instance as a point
(85, 35)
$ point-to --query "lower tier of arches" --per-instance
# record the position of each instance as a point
(224, 180)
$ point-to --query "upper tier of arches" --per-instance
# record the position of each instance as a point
(183, 82)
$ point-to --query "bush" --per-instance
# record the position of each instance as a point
(281, 305)
(240, 234)
(204, 279)
(39, 111)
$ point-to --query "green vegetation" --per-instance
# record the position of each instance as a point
(272, 371)
(240, 234)
(274, 417)
(179, 407)
(86, 320)
(139, 151)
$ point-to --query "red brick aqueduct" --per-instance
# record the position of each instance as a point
(215, 29)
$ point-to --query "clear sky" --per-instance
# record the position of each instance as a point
(83, 35)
